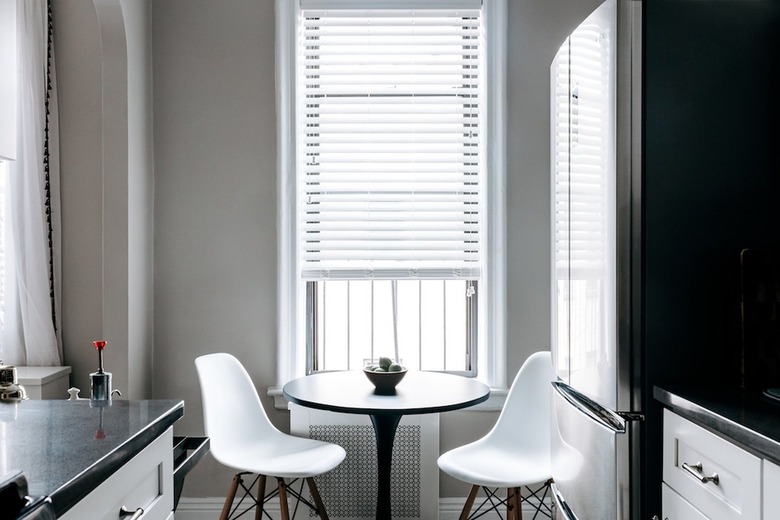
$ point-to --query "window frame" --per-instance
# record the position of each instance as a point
(471, 337)
(291, 339)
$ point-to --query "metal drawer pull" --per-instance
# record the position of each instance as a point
(138, 513)
(696, 469)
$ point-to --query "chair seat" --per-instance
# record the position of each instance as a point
(282, 455)
(487, 465)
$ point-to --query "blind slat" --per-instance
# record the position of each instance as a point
(393, 9)
(383, 271)
(396, 216)
(458, 93)
(412, 180)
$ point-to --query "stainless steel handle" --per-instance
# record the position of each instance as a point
(560, 504)
(592, 409)
(696, 470)
(134, 515)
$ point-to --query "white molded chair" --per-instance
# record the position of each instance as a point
(243, 438)
(516, 451)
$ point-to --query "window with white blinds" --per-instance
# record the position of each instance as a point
(391, 124)
(389, 143)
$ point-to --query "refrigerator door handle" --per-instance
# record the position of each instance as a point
(560, 504)
(590, 408)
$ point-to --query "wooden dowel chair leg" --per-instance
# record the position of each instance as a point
(230, 496)
(285, 512)
(317, 499)
(513, 501)
(464, 515)
(510, 512)
(519, 500)
(260, 497)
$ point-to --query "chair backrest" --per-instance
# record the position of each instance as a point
(524, 422)
(232, 412)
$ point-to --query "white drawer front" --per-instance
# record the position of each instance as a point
(771, 485)
(146, 481)
(737, 493)
(676, 508)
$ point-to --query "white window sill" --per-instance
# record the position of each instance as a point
(494, 403)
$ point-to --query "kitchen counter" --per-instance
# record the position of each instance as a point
(752, 421)
(67, 448)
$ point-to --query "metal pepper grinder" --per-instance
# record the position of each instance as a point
(100, 381)
(10, 389)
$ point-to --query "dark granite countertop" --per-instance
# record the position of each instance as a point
(67, 448)
(752, 421)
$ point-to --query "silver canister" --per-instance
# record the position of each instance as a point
(100, 386)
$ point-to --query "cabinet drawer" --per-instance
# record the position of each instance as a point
(771, 491)
(676, 508)
(146, 481)
(733, 476)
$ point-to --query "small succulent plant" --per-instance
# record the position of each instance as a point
(385, 365)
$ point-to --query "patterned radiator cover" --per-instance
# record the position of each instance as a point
(349, 491)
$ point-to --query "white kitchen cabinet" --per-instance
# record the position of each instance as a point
(44, 382)
(708, 477)
(718, 478)
(771, 490)
(676, 507)
(145, 481)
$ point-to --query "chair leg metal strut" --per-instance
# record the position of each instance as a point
(512, 502)
(233, 510)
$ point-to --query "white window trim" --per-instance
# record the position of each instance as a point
(291, 353)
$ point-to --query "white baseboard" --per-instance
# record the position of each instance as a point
(199, 508)
(210, 508)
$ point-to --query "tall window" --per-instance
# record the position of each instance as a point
(392, 187)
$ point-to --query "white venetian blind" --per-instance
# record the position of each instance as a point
(390, 176)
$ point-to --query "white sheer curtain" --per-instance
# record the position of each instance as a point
(28, 331)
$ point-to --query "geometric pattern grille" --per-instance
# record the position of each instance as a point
(349, 491)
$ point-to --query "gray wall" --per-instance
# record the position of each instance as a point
(215, 204)
(103, 58)
(78, 57)
(140, 196)
(214, 196)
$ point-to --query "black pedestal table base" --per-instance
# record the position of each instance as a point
(384, 430)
